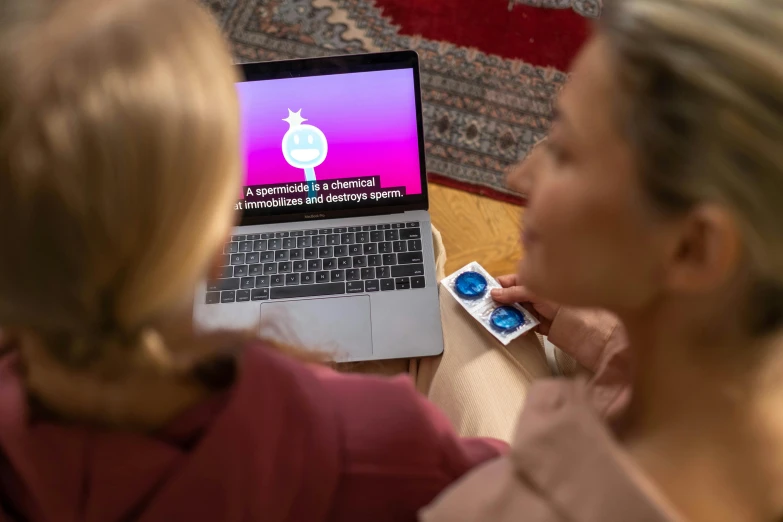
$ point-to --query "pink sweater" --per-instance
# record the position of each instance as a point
(288, 442)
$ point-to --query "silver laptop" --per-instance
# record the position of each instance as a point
(334, 247)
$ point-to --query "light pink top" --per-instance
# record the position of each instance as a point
(565, 463)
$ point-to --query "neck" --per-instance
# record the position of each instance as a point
(712, 410)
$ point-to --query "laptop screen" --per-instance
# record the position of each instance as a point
(330, 142)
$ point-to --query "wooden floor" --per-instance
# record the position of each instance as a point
(476, 228)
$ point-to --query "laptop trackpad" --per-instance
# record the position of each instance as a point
(338, 325)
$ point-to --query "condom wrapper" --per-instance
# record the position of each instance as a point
(471, 286)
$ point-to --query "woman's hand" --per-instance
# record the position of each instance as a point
(545, 311)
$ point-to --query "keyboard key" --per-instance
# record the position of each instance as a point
(325, 231)
(314, 265)
(417, 282)
(389, 259)
(407, 270)
(224, 260)
(270, 268)
(355, 250)
(284, 267)
(354, 229)
(384, 227)
(297, 233)
(410, 257)
(359, 261)
(319, 241)
(347, 239)
(213, 285)
(226, 284)
(398, 225)
(281, 234)
(231, 248)
(385, 248)
(237, 259)
(367, 228)
(333, 239)
(341, 251)
(228, 296)
(402, 283)
(246, 246)
(243, 296)
(399, 246)
(329, 264)
(376, 236)
(291, 292)
(247, 283)
(354, 287)
(368, 273)
(260, 245)
(281, 255)
(410, 233)
(362, 237)
(266, 257)
(353, 274)
(372, 286)
(267, 235)
(253, 257)
(375, 260)
(226, 271)
(340, 230)
(310, 253)
(300, 266)
(253, 237)
(414, 245)
(277, 280)
(307, 278)
(387, 284)
(344, 262)
(296, 254)
(259, 295)
(337, 275)
(370, 248)
(292, 279)
(213, 297)
(311, 232)
(262, 281)
(391, 235)
(275, 244)
(382, 272)
(240, 270)
(289, 242)
(304, 242)
(238, 238)
(322, 277)
(326, 252)
(412, 224)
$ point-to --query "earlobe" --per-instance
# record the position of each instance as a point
(708, 252)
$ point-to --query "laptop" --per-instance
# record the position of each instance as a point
(334, 247)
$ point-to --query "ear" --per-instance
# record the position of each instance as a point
(707, 250)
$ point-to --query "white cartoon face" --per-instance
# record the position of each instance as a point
(304, 146)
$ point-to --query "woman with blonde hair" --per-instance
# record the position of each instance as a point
(658, 196)
(119, 124)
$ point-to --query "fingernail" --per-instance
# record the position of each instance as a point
(496, 292)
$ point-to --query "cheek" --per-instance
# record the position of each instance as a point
(589, 251)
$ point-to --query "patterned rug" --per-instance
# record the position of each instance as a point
(489, 68)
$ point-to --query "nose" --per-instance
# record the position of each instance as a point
(522, 176)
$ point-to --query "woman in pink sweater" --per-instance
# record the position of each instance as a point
(119, 166)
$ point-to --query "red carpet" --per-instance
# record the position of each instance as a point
(489, 72)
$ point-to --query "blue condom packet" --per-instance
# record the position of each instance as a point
(471, 286)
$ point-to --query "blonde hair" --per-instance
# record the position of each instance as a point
(703, 106)
(119, 167)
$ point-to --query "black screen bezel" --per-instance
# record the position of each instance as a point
(343, 64)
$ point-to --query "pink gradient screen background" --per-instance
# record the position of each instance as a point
(368, 118)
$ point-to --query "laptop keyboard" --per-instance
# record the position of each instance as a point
(319, 262)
